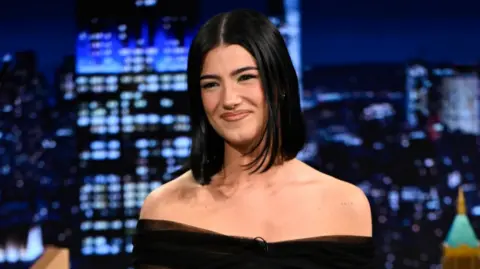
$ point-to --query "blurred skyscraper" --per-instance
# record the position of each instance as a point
(132, 124)
(37, 161)
(24, 145)
(460, 104)
(285, 14)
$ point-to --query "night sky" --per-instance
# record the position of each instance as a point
(332, 33)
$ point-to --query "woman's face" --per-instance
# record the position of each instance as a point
(232, 95)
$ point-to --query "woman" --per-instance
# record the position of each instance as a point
(247, 202)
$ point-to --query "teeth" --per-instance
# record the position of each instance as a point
(15, 251)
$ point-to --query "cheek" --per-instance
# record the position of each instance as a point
(258, 95)
(209, 103)
(260, 102)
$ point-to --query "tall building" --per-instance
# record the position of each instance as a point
(418, 85)
(64, 79)
(133, 123)
(443, 98)
(285, 14)
(25, 181)
(461, 249)
(460, 106)
(61, 120)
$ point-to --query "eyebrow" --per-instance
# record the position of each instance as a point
(233, 73)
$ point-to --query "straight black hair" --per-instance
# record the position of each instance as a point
(284, 134)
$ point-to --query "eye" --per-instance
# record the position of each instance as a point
(246, 77)
(209, 85)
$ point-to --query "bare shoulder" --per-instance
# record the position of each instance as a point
(350, 208)
(162, 202)
(351, 198)
(347, 206)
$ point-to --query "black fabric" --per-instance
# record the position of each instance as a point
(161, 244)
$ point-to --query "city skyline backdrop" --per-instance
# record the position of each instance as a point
(331, 33)
(376, 123)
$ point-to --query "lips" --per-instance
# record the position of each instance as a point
(234, 116)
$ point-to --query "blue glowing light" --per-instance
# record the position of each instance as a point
(115, 52)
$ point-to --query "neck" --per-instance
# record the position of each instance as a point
(236, 173)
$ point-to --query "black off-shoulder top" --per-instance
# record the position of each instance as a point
(161, 244)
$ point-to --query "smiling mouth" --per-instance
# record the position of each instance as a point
(232, 117)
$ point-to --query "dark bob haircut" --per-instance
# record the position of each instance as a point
(284, 134)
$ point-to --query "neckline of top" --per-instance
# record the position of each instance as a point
(198, 230)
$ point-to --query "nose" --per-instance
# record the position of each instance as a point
(231, 98)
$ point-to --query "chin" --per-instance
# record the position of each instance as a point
(240, 139)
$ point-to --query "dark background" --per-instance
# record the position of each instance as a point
(336, 32)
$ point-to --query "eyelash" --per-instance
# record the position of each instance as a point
(241, 78)
(246, 77)
(209, 85)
